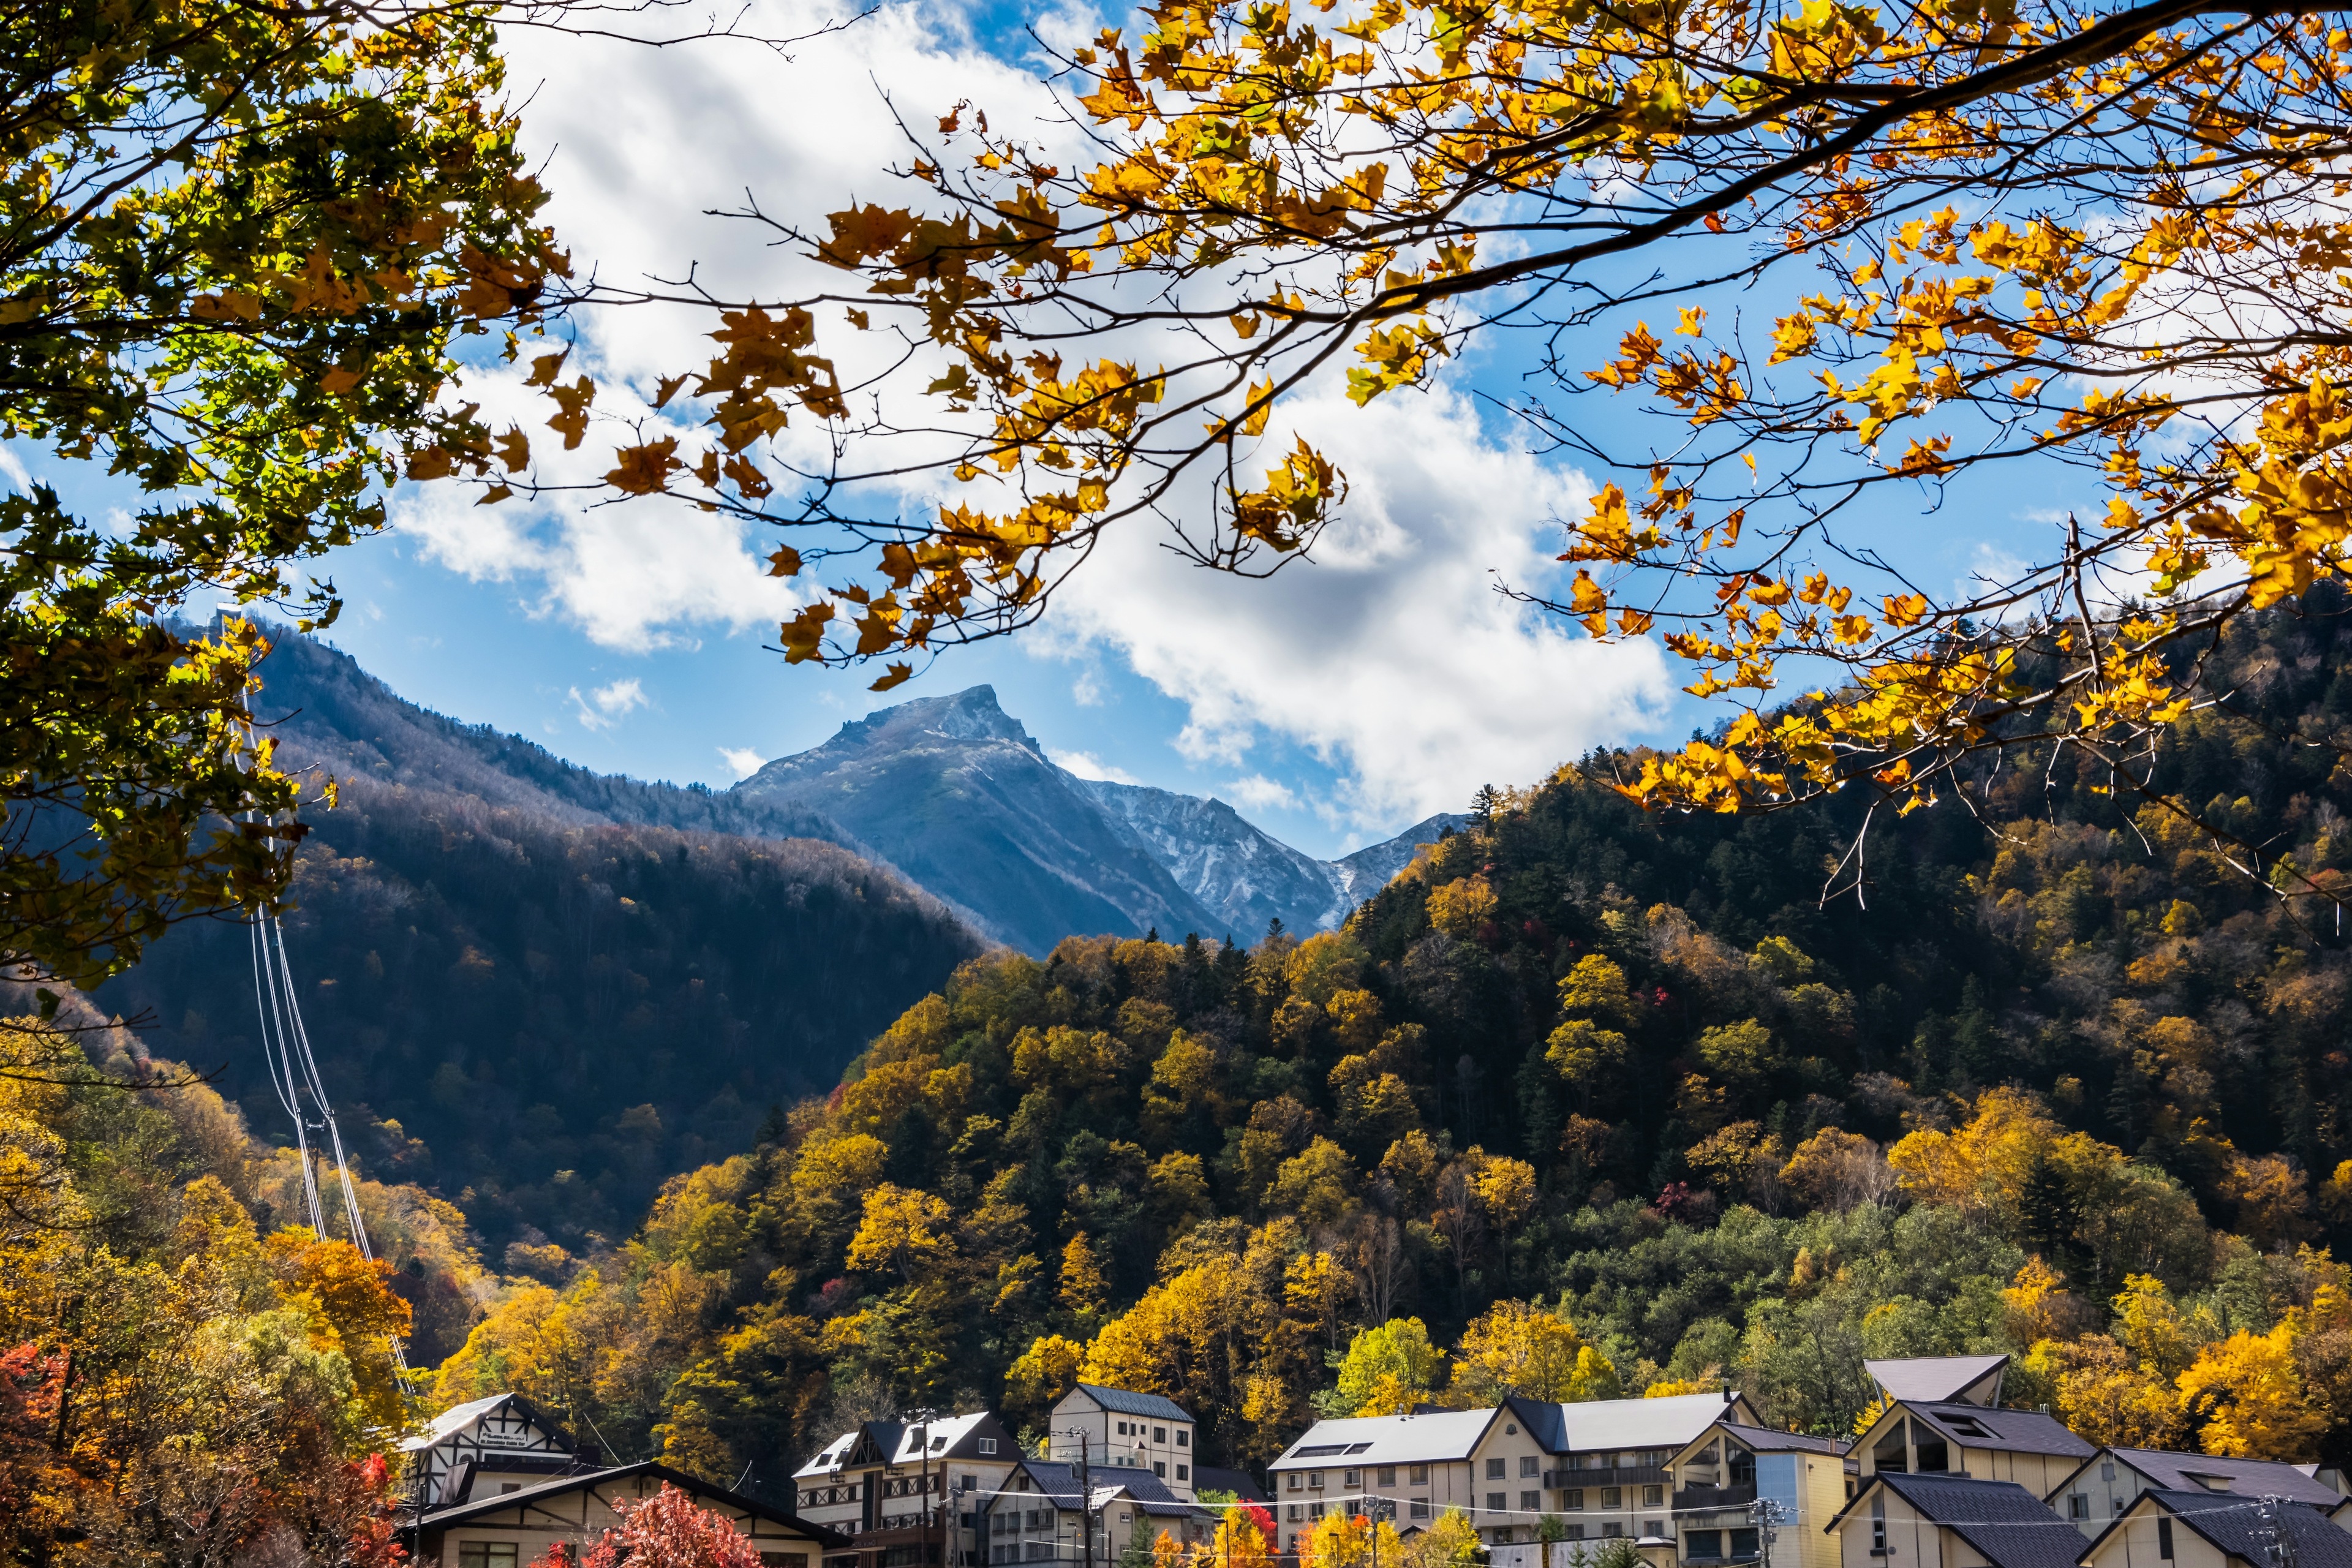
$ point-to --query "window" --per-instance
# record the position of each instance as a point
(2163, 1540)
(1160, 1469)
(1532, 1502)
(1706, 1543)
(1160, 1434)
(1613, 1496)
(784, 1560)
(1315, 1480)
(1933, 1454)
(1495, 1503)
(1387, 1476)
(1528, 1466)
(988, 1444)
(2107, 1470)
(2078, 1507)
(1653, 1497)
(1496, 1470)
(1510, 1429)
(1351, 1479)
(1297, 1481)
(1655, 1527)
(1297, 1513)
(1572, 1500)
(1612, 1529)
(1122, 1429)
(1183, 1472)
(500, 1554)
(1575, 1532)
(1416, 1475)
(1743, 1543)
(1878, 1527)
(506, 1487)
(1704, 1457)
(1315, 1510)
(1183, 1438)
(1418, 1508)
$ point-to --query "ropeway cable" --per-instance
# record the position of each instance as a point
(293, 1068)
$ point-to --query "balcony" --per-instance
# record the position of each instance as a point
(1612, 1475)
(1690, 1497)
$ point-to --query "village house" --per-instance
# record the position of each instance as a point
(485, 1448)
(1041, 1512)
(1121, 1429)
(512, 1529)
(2195, 1528)
(1602, 1466)
(905, 1493)
(1724, 1474)
(1938, 1417)
(1900, 1519)
(2104, 1487)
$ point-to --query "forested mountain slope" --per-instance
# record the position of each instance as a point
(2070, 1084)
(556, 1017)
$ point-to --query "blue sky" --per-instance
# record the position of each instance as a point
(1335, 706)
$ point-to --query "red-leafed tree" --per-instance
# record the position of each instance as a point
(34, 1485)
(663, 1530)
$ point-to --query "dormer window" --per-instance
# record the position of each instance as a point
(988, 1444)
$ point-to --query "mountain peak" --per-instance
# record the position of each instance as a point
(971, 714)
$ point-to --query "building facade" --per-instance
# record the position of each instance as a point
(909, 1494)
(487, 1447)
(1042, 1512)
(1949, 1520)
(1734, 1485)
(1117, 1429)
(2200, 1529)
(2104, 1486)
(512, 1529)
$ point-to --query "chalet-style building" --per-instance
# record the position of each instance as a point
(1957, 1432)
(486, 1448)
(1117, 1428)
(909, 1492)
(2104, 1487)
(1603, 1466)
(1039, 1514)
(1721, 1474)
(514, 1527)
(2202, 1529)
(1951, 1520)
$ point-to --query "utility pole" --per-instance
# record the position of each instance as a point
(1086, 1499)
(2278, 1545)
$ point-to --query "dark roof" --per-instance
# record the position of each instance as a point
(1128, 1402)
(2000, 1519)
(2247, 1478)
(1765, 1440)
(2235, 1524)
(443, 1518)
(1982, 1426)
(1545, 1421)
(1058, 1483)
(1241, 1483)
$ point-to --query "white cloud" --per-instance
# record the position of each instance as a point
(13, 466)
(1260, 792)
(742, 761)
(1389, 654)
(1086, 691)
(608, 705)
(1087, 765)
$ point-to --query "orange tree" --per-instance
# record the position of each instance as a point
(2103, 238)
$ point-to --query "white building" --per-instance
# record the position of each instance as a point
(2102, 1489)
(486, 1448)
(515, 1527)
(2197, 1529)
(1116, 1428)
(1603, 1467)
(908, 1493)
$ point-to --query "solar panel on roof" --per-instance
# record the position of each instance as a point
(1359, 1447)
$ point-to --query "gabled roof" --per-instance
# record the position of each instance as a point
(1435, 1438)
(1935, 1380)
(938, 1439)
(1993, 1427)
(458, 1417)
(1058, 1483)
(2002, 1519)
(2236, 1526)
(1667, 1423)
(1764, 1440)
(443, 1518)
(1128, 1402)
(2168, 1471)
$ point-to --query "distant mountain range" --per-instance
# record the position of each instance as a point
(950, 792)
(958, 797)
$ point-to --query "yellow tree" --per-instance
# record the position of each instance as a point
(2247, 1397)
(1344, 1540)
(1515, 1347)
(1387, 1368)
(1976, 231)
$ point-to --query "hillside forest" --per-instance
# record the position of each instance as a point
(1585, 1102)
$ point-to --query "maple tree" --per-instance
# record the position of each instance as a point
(663, 1530)
(2093, 240)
